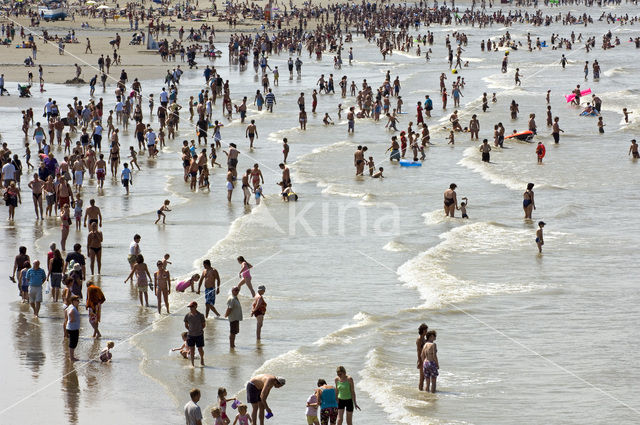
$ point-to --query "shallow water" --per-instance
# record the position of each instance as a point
(357, 264)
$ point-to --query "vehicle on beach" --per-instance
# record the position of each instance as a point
(53, 11)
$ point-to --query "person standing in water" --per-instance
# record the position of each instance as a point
(245, 274)
(142, 272)
(450, 201)
(162, 284)
(422, 332)
(211, 278)
(633, 149)
(195, 323)
(528, 201)
(346, 395)
(430, 364)
(259, 309)
(258, 389)
(539, 236)
(328, 400)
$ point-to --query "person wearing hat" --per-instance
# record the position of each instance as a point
(234, 313)
(258, 389)
(539, 237)
(36, 278)
(195, 323)
(258, 309)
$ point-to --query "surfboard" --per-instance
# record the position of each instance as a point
(524, 136)
(407, 163)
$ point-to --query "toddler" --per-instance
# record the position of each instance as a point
(105, 355)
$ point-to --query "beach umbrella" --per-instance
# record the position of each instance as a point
(104, 6)
(90, 2)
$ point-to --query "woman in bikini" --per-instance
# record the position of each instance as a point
(256, 177)
(94, 246)
(114, 158)
(528, 201)
(245, 274)
(450, 200)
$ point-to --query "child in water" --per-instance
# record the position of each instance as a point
(164, 207)
(600, 125)
(539, 236)
(372, 166)
(105, 355)
(463, 207)
(626, 115)
(312, 409)
(222, 402)
(184, 349)
(378, 174)
(258, 194)
(243, 418)
(217, 419)
(77, 211)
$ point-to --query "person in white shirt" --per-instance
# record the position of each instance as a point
(192, 412)
(8, 174)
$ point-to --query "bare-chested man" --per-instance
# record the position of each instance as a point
(93, 214)
(64, 193)
(101, 171)
(94, 246)
(162, 280)
(36, 185)
(258, 389)
(251, 133)
(430, 363)
(211, 280)
(286, 176)
(78, 173)
(358, 160)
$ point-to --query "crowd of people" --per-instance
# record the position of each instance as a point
(67, 147)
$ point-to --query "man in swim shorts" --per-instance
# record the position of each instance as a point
(258, 389)
(210, 277)
(430, 363)
(195, 323)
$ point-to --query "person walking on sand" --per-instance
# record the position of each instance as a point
(195, 323)
(245, 274)
(211, 280)
(259, 309)
(234, 313)
(430, 363)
